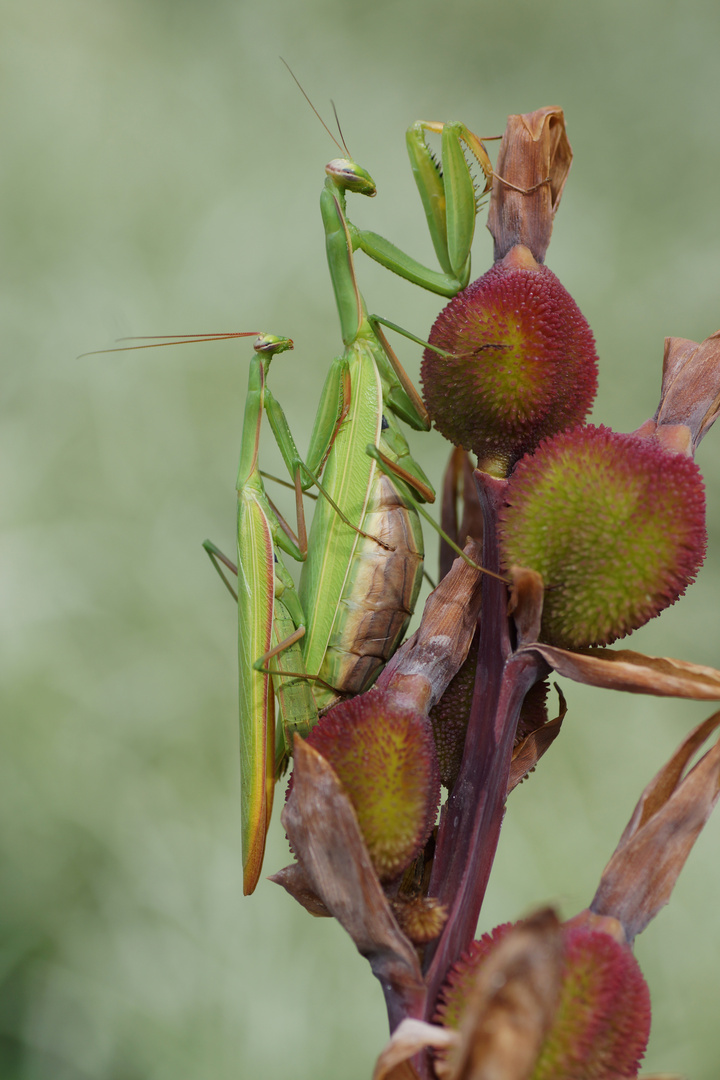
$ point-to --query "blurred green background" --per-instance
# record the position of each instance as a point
(160, 173)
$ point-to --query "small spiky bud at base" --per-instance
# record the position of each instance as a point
(420, 918)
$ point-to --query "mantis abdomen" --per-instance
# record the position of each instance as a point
(380, 591)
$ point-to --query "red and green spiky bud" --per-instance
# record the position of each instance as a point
(456, 992)
(602, 1023)
(614, 524)
(522, 363)
(385, 759)
(421, 918)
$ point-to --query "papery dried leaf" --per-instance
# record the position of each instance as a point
(420, 671)
(623, 669)
(690, 385)
(527, 753)
(512, 1005)
(294, 880)
(526, 603)
(534, 156)
(323, 830)
(667, 821)
(533, 712)
(666, 781)
(410, 1038)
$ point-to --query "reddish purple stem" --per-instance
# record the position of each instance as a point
(471, 819)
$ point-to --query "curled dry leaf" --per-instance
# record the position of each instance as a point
(323, 830)
(527, 753)
(512, 1005)
(665, 824)
(420, 671)
(534, 157)
(526, 603)
(294, 880)
(623, 669)
(690, 385)
(411, 1037)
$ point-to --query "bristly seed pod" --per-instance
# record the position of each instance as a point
(385, 759)
(420, 918)
(614, 524)
(523, 363)
(602, 1023)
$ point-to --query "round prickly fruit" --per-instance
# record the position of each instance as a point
(385, 759)
(420, 918)
(602, 1023)
(523, 363)
(457, 989)
(614, 524)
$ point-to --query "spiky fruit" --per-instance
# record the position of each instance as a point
(602, 1023)
(614, 524)
(523, 363)
(385, 759)
(456, 991)
(420, 918)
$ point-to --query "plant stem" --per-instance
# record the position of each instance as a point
(471, 819)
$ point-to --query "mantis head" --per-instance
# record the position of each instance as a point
(350, 176)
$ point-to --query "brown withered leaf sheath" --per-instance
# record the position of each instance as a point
(323, 829)
(690, 385)
(534, 156)
(509, 1013)
(419, 673)
(512, 1004)
(410, 1038)
(623, 669)
(665, 824)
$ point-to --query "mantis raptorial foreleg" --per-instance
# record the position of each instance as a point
(450, 199)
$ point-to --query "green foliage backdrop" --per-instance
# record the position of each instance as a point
(160, 173)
